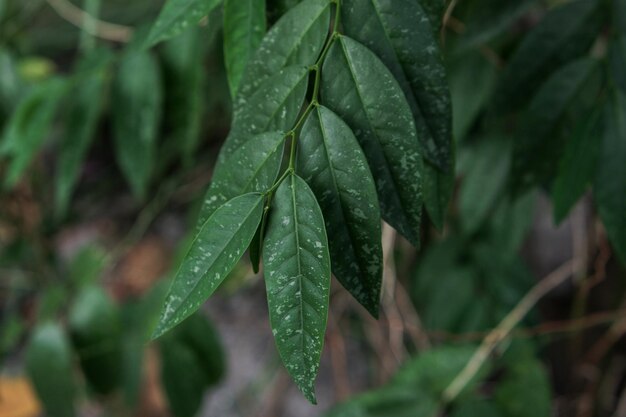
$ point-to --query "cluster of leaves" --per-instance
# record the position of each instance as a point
(106, 343)
(365, 113)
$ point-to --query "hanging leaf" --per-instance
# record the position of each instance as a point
(217, 248)
(360, 89)
(184, 80)
(96, 332)
(565, 97)
(49, 366)
(565, 33)
(577, 165)
(244, 28)
(295, 40)
(178, 16)
(297, 277)
(252, 168)
(137, 99)
(331, 161)
(610, 181)
(484, 182)
(400, 35)
(29, 126)
(84, 109)
(435, 9)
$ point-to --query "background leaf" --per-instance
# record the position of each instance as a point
(331, 161)
(177, 16)
(137, 100)
(297, 278)
(49, 367)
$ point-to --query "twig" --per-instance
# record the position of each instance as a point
(505, 327)
(446, 18)
(85, 21)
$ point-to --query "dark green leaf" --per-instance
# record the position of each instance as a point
(331, 161)
(296, 40)
(10, 83)
(619, 15)
(484, 181)
(137, 99)
(438, 191)
(472, 78)
(274, 107)
(390, 401)
(184, 77)
(29, 126)
(525, 390)
(399, 33)
(85, 106)
(244, 28)
(49, 367)
(95, 326)
(435, 10)
(476, 408)
(610, 183)
(486, 19)
(297, 277)
(358, 87)
(617, 57)
(252, 168)
(177, 16)
(565, 33)
(577, 166)
(217, 248)
(565, 97)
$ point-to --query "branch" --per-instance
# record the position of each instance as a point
(88, 23)
(497, 335)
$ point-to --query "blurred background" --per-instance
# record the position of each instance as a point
(92, 226)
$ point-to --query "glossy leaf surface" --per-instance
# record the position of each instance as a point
(244, 28)
(295, 40)
(252, 168)
(297, 278)
(399, 33)
(358, 87)
(331, 161)
(217, 248)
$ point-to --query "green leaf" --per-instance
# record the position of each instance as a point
(438, 191)
(331, 161)
(617, 58)
(400, 35)
(217, 248)
(565, 33)
(297, 278)
(619, 15)
(610, 181)
(95, 327)
(252, 168)
(472, 79)
(484, 182)
(476, 408)
(178, 16)
(390, 401)
(29, 126)
(244, 28)
(85, 106)
(563, 99)
(274, 107)
(435, 9)
(577, 165)
(184, 79)
(486, 19)
(49, 367)
(10, 83)
(137, 99)
(524, 390)
(295, 40)
(360, 89)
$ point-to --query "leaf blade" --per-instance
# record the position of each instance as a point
(383, 124)
(298, 284)
(217, 248)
